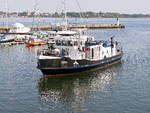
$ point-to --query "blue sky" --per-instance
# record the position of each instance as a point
(121, 6)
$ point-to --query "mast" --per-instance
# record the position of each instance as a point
(6, 14)
(36, 14)
(80, 13)
(65, 11)
(65, 14)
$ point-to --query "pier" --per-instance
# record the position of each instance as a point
(70, 26)
(95, 26)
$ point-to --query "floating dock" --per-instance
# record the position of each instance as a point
(71, 26)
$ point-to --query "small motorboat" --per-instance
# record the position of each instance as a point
(6, 38)
(35, 41)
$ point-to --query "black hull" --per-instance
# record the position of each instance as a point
(68, 70)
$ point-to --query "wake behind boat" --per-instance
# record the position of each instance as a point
(76, 52)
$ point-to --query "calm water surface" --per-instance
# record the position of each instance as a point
(122, 88)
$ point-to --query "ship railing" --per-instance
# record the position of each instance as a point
(49, 52)
(92, 43)
(103, 42)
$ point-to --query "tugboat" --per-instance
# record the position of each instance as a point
(76, 52)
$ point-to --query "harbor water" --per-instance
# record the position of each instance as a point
(121, 88)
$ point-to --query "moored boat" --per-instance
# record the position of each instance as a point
(20, 32)
(35, 42)
(36, 39)
(6, 38)
(19, 28)
(77, 53)
(17, 33)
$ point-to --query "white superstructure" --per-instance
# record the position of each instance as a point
(78, 46)
(19, 28)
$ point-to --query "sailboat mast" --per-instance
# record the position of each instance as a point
(65, 11)
(36, 15)
(6, 14)
(65, 14)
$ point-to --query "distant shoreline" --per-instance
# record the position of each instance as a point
(78, 17)
(88, 14)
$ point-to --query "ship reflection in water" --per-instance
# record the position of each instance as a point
(73, 93)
